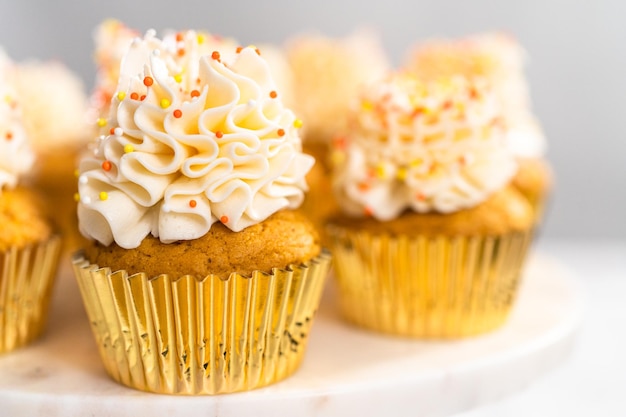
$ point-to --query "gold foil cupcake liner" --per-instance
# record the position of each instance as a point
(427, 287)
(26, 280)
(209, 336)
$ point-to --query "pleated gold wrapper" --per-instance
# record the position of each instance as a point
(188, 336)
(427, 287)
(26, 280)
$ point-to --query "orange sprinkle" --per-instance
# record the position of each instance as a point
(181, 52)
(179, 36)
(368, 211)
(273, 94)
(363, 186)
(420, 196)
(134, 96)
(215, 55)
(224, 219)
(257, 51)
(112, 131)
(219, 134)
(148, 81)
(143, 97)
(195, 93)
(106, 165)
(9, 135)
(447, 105)
(198, 80)
(192, 203)
(239, 49)
(281, 132)
(178, 113)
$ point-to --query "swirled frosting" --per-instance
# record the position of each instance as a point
(192, 139)
(16, 156)
(498, 58)
(429, 147)
(53, 103)
(328, 73)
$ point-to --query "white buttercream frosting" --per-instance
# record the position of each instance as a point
(16, 156)
(192, 139)
(328, 73)
(429, 147)
(500, 59)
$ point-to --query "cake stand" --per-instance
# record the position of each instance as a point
(346, 371)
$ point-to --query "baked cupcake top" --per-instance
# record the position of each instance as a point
(191, 139)
(424, 146)
(327, 74)
(16, 155)
(497, 58)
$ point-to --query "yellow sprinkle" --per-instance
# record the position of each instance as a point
(101, 122)
(402, 173)
(337, 158)
(297, 123)
(103, 195)
(121, 95)
(128, 148)
(416, 163)
(367, 105)
(165, 103)
(178, 78)
(380, 171)
(200, 38)
(7, 98)
(76, 197)
(76, 173)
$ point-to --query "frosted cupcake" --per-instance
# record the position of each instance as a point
(54, 112)
(327, 74)
(498, 59)
(432, 238)
(28, 249)
(202, 277)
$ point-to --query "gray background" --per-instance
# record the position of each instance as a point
(577, 70)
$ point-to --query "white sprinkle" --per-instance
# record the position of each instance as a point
(165, 208)
(85, 200)
(118, 131)
(251, 103)
(156, 52)
(150, 33)
(83, 179)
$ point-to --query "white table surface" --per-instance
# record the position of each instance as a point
(592, 381)
(61, 374)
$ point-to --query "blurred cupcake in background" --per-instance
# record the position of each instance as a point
(201, 275)
(28, 247)
(499, 59)
(327, 74)
(54, 112)
(433, 237)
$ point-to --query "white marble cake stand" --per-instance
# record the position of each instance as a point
(346, 371)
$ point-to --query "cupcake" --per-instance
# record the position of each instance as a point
(54, 113)
(327, 74)
(28, 248)
(499, 59)
(202, 276)
(432, 237)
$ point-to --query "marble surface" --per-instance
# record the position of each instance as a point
(346, 371)
(592, 382)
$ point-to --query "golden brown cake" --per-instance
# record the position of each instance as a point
(191, 199)
(285, 238)
(432, 237)
(506, 211)
(22, 219)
